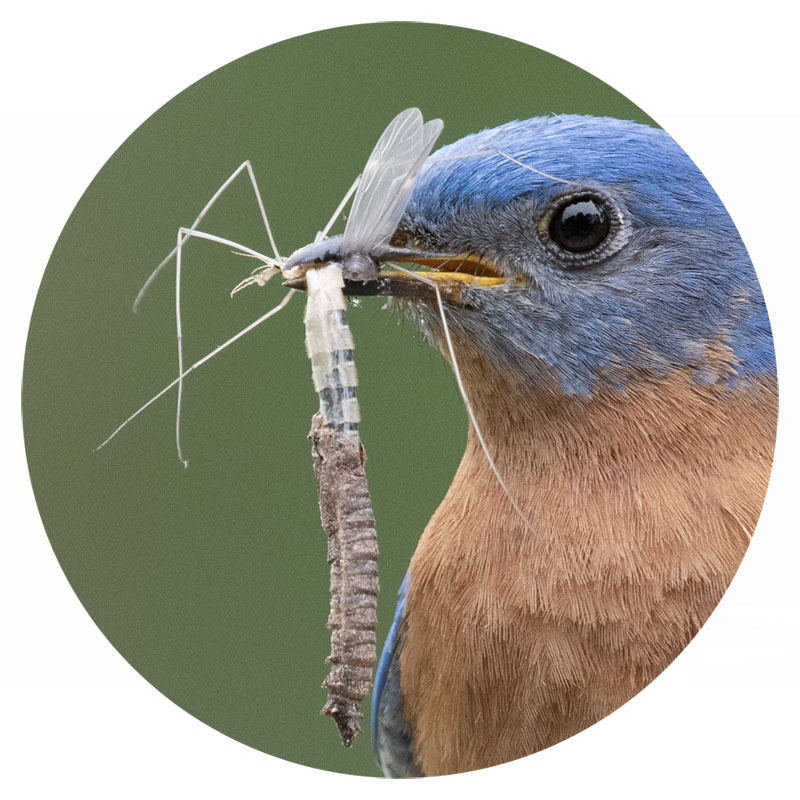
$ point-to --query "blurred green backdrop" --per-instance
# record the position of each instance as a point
(212, 581)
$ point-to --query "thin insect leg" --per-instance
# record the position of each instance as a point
(183, 235)
(247, 251)
(350, 192)
(260, 276)
(460, 265)
(463, 391)
(495, 151)
(263, 211)
(288, 296)
(244, 166)
(154, 274)
(178, 325)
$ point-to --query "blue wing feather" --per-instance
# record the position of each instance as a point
(391, 735)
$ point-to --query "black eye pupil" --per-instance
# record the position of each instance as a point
(580, 225)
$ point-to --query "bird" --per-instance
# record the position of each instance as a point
(615, 347)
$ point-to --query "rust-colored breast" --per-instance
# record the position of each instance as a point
(641, 507)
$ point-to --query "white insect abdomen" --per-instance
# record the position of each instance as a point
(330, 347)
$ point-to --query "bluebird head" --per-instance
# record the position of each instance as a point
(589, 251)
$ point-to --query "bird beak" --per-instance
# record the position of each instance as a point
(448, 271)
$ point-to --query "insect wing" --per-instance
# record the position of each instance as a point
(388, 179)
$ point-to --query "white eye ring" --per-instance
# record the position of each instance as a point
(611, 232)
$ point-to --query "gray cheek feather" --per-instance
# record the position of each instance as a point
(656, 305)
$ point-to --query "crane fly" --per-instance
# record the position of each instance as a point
(323, 269)
(345, 507)
(380, 200)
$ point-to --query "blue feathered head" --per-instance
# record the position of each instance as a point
(602, 253)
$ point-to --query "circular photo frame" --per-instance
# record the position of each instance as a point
(212, 581)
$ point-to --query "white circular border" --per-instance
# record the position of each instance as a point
(77, 720)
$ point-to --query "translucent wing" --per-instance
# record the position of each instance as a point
(387, 180)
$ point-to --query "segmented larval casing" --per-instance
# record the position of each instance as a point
(329, 344)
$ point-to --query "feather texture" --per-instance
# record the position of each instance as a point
(642, 508)
(628, 397)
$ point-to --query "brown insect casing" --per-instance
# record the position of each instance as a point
(348, 520)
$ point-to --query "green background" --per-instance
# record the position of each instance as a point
(212, 581)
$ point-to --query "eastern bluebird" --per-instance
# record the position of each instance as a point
(618, 356)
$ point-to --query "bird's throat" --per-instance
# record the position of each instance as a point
(640, 505)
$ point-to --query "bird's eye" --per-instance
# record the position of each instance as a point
(580, 225)
(583, 228)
